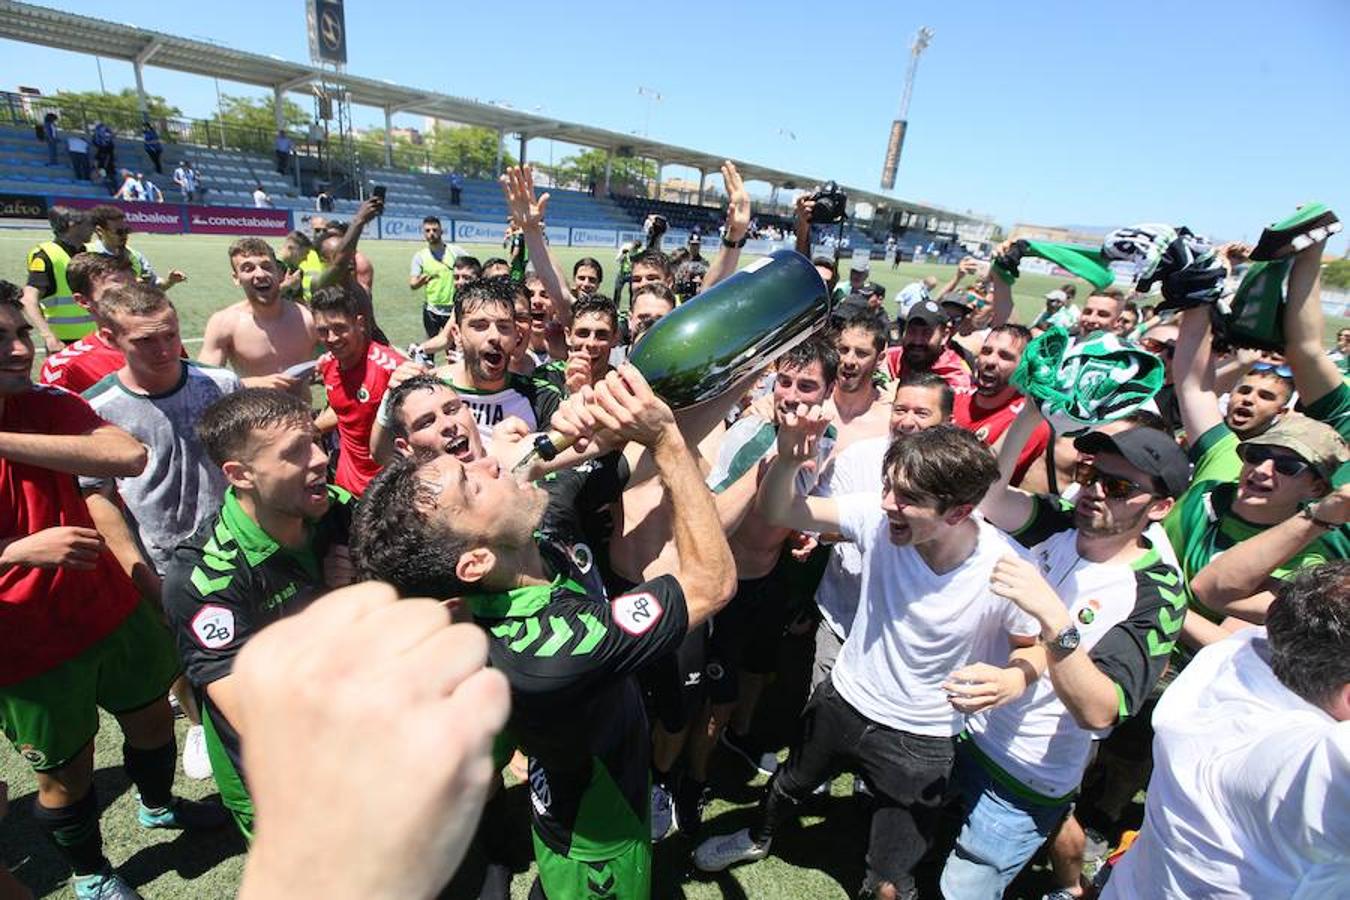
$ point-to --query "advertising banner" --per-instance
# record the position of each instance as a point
(468, 232)
(406, 228)
(153, 218)
(558, 235)
(237, 220)
(22, 209)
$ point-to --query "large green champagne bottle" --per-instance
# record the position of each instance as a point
(736, 327)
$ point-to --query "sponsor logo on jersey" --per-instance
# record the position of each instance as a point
(582, 557)
(35, 757)
(1088, 613)
(362, 395)
(213, 626)
(636, 613)
(540, 795)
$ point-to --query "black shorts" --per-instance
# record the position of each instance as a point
(746, 635)
(675, 685)
(434, 320)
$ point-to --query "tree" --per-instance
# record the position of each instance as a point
(469, 150)
(79, 110)
(626, 172)
(1336, 274)
(251, 123)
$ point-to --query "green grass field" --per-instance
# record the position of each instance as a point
(822, 859)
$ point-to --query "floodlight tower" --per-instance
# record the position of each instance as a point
(898, 127)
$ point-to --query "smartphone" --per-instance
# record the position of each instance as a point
(378, 192)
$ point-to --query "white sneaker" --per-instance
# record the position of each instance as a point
(196, 763)
(716, 853)
(663, 812)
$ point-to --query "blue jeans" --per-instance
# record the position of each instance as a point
(1000, 833)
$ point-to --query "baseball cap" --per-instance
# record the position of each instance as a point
(959, 302)
(1057, 294)
(928, 312)
(871, 287)
(1316, 442)
(860, 264)
(1148, 450)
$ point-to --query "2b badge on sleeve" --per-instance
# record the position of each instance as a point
(213, 627)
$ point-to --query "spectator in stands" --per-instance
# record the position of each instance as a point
(111, 232)
(284, 149)
(50, 136)
(130, 188)
(260, 198)
(149, 190)
(78, 148)
(1250, 796)
(105, 151)
(456, 187)
(188, 181)
(47, 298)
(323, 201)
(154, 147)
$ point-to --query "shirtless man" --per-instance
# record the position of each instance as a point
(262, 335)
(861, 411)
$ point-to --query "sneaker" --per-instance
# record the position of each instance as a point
(105, 885)
(196, 761)
(691, 798)
(716, 853)
(762, 761)
(187, 814)
(663, 812)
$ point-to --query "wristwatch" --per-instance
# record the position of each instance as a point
(1065, 642)
(727, 242)
(1306, 509)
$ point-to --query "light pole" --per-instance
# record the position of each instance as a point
(653, 97)
(897, 139)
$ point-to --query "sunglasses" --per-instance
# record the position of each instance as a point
(1285, 464)
(1281, 370)
(1113, 486)
(1159, 348)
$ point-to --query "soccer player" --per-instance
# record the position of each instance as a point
(861, 411)
(75, 635)
(990, 405)
(591, 338)
(1250, 795)
(110, 239)
(278, 541)
(264, 334)
(355, 371)
(485, 331)
(1110, 607)
(87, 361)
(48, 300)
(445, 529)
(927, 610)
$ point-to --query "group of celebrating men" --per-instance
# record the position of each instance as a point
(1006, 615)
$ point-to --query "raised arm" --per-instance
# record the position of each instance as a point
(1315, 375)
(333, 272)
(738, 223)
(1239, 583)
(1005, 506)
(528, 212)
(780, 500)
(106, 452)
(1193, 372)
(801, 224)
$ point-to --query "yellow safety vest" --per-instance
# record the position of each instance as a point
(310, 266)
(69, 320)
(440, 290)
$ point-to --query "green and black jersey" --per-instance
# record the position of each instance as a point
(570, 652)
(224, 584)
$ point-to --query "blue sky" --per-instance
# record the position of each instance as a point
(1219, 115)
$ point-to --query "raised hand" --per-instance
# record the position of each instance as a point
(799, 433)
(738, 202)
(522, 206)
(1018, 580)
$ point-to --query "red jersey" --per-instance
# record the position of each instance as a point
(355, 395)
(990, 424)
(950, 367)
(48, 616)
(82, 365)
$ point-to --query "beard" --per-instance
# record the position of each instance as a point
(920, 358)
(1104, 524)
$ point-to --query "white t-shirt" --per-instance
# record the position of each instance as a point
(1115, 606)
(261, 200)
(857, 470)
(1250, 795)
(914, 627)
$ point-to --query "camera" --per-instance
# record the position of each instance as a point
(830, 202)
(656, 225)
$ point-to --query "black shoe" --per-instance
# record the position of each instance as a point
(691, 799)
